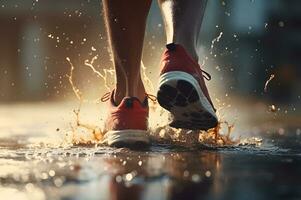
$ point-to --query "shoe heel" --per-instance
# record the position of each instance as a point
(180, 93)
(127, 137)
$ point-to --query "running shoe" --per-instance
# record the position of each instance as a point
(183, 92)
(127, 123)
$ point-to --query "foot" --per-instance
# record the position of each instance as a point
(183, 92)
(126, 124)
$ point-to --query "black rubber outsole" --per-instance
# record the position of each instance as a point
(185, 97)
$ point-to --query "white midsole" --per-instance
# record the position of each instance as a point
(171, 78)
(129, 136)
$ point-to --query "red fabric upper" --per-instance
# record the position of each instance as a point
(129, 114)
(175, 58)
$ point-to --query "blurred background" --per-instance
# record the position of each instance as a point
(257, 38)
(241, 44)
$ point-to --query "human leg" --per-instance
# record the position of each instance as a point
(183, 20)
(125, 22)
(128, 108)
(182, 89)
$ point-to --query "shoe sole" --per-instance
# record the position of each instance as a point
(127, 138)
(181, 95)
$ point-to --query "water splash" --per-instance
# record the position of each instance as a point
(89, 134)
(217, 39)
(76, 91)
(104, 76)
(272, 76)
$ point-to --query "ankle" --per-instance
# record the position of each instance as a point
(189, 46)
(133, 91)
(119, 94)
(137, 91)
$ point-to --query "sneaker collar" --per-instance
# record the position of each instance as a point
(127, 99)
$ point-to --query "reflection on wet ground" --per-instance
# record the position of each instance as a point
(33, 169)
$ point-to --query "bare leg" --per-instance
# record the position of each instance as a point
(183, 19)
(126, 21)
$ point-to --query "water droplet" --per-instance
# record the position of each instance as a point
(272, 108)
(281, 24)
(186, 173)
(58, 182)
(196, 178)
(208, 174)
(129, 176)
(44, 176)
(51, 173)
(118, 179)
(298, 132)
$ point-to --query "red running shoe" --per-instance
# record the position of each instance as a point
(183, 92)
(127, 122)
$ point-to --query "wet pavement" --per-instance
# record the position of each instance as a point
(38, 161)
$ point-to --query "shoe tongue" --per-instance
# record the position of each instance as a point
(128, 102)
(171, 46)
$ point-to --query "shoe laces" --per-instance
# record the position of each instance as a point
(151, 97)
(206, 75)
(107, 97)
